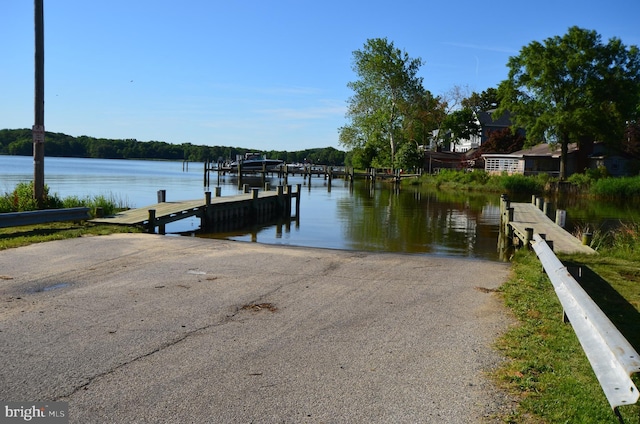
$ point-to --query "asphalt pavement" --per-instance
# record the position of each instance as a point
(139, 328)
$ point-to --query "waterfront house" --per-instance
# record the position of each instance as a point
(487, 124)
(545, 158)
(542, 158)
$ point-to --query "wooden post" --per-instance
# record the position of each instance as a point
(289, 200)
(38, 127)
(151, 226)
(561, 217)
(218, 191)
(298, 187)
(162, 196)
(545, 208)
(281, 199)
(204, 176)
(528, 236)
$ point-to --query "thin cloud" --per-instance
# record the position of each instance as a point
(498, 49)
(304, 113)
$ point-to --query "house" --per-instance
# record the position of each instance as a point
(538, 159)
(616, 165)
(487, 125)
(545, 159)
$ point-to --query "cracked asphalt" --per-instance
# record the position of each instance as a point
(142, 328)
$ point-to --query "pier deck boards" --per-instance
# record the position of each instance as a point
(170, 211)
(528, 215)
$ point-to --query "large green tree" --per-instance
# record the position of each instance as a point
(573, 88)
(382, 99)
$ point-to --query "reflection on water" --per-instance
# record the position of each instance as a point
(362, 216)
(380, 217)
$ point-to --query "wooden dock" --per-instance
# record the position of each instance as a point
(522, 220)
(215, 213)
(307, 171)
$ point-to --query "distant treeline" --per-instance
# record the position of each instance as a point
(20, 142)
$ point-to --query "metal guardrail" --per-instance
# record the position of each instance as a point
(612, 357)
(16, 219)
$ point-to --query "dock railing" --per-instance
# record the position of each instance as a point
(612, 357)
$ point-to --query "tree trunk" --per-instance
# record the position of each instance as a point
(393, 148)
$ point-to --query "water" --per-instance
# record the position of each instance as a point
(362, 216)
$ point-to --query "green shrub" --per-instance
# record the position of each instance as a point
(619, 187)
(580, 180)
(518, 183)
(21, 199)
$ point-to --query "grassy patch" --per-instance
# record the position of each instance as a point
(547, 367)
(25, 235)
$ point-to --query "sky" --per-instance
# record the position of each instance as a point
(264, 75)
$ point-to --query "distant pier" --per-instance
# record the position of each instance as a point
(326, 172)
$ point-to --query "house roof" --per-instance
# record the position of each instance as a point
(540, 150)
(486, 119)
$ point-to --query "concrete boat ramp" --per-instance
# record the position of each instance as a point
(146, 328)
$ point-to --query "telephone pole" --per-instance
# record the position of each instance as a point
(38, 127)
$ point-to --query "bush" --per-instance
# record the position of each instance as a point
(518, 183)
(462, 177)
(622, 187)
(21, 199)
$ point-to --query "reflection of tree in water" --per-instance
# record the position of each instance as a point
(414, 220)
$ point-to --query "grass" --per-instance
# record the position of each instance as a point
(21, 199)
(22, 236)
(546, 367)
(479, 180)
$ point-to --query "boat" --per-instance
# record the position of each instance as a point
(256, 162)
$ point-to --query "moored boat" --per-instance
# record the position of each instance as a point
(256, 162)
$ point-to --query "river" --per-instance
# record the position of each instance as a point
(361, 216)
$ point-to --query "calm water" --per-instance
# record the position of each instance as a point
(358, 217)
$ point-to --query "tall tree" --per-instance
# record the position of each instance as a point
(382, 98)
(482, 102)
(572, 88)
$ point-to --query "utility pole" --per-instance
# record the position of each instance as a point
(38, 127)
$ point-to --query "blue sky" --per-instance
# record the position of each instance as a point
(257, 74)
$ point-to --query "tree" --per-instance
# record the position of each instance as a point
(572, 89)
(483, 102)
(461, 125)
(382, 98)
